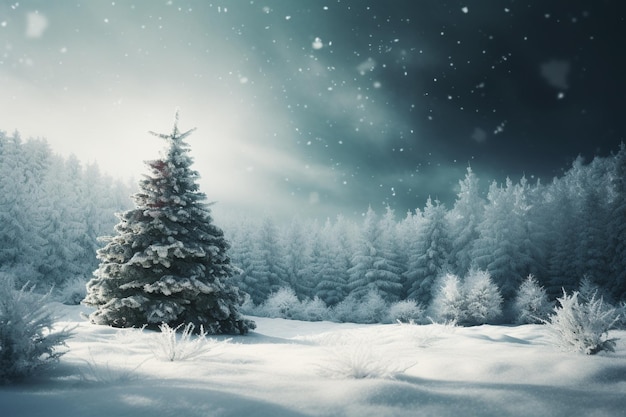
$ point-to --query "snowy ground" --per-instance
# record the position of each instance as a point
(291, 368)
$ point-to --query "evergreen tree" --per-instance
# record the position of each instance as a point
(242, 252)
(331, 262)
(594, 217)
(168, 262)
(374, 266)
(617, 227)
(428, 258)
(482, 298)
(297, 244)
(562, 232)
(465, 217)
(269, 266)
(20, 192)
(502, 246)
(531, 303)
(448, 303)
(391, 283)
(63, 228)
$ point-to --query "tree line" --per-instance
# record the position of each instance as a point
(52, 211)
(562, 232)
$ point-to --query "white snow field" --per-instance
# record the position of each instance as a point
(293, 368)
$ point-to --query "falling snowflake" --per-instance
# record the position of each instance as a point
(317, 43)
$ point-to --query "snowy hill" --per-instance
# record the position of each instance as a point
(292, 368)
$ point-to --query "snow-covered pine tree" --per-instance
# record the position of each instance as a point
(617, 228)
(375, 265)
(242, 251)
(297, 246)
(448, 303)
(465, 217)
(168, 262)
(482, 298)
(331, 262)
(501, 247)
(429, 254)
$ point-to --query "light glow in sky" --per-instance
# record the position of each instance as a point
(316, 109)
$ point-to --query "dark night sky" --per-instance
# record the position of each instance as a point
(321, 107)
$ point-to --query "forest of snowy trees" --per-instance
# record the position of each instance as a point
(564, 233)
(53, 209)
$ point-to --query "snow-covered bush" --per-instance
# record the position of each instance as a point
(281, 304)
(248, 307)
(169, 346)
(28, 341)
(406, 311)
(531, 304)
(482, 298)
(314, 310)
(583, 326)
(344, 311)
(371, 308)
(359, 362)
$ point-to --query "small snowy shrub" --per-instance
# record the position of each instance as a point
(248, 307)
(343, 311)
(406, 311)
(95, 372)
(531, 304)
(359, 362)
(583, 326)
(371, 308)
(169, 346)
(27, 340)
(281, 304)
(314, 310)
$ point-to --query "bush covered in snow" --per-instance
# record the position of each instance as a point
(281, 304)
(170, 346)
(314, 310)
(360, 362)
(583, 326)
(284, 304)
(406, 311)
(27, 339)
(371, 308)
(531, 304)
